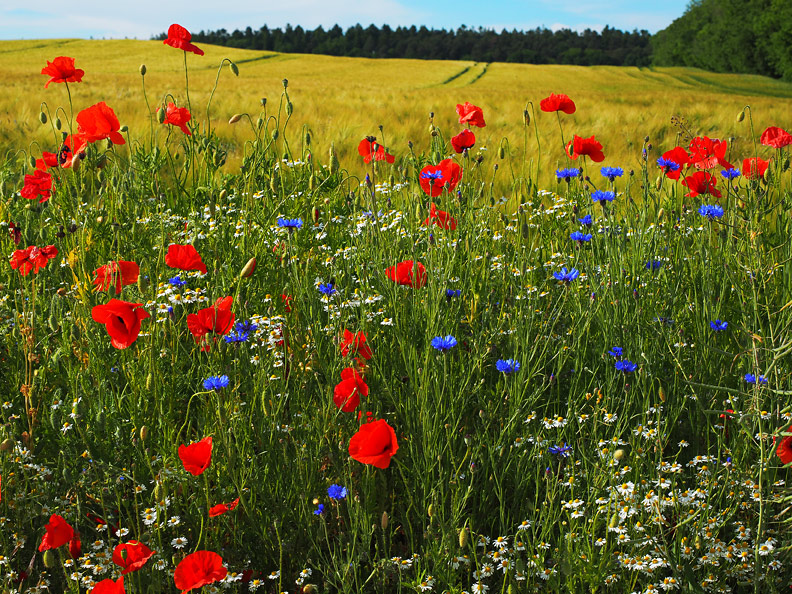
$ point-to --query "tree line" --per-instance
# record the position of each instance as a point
(537, 46)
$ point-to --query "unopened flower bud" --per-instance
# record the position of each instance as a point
(142, 70)
(527, 117)
(235, 118)
(248, 269)
(58, 124)
(144, 433)
(43, 117)
(384, 521)
(234, 68)
(463, 537)
(160, 115)
(32, 162)
(741, 116)
(618, 454)
(49, 559)
(7, 445)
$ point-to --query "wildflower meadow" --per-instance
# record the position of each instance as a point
(421, 371)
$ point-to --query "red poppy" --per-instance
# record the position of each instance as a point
(440, 218)
(178, 116)
(701, 182)
(15, 232)
(122, 320)
(679, 156)
(463, 141)
(75, 546)
(776, 137)
(37, 184)
(216, 319)
(409, 273)
(47, 160)
(706, 153)
(443, 176)
(58, 533)
(471, 115)
(784, 449)
(197, 456)
(131, 556)
(99, 122)
(72, 149)
(754, 168)
(184, 257)
(180, 38)
(32, 258)
(557, 103)
(62, 70)
(369, 149)
(287, 300)
(108, 586)
(221, 508)
(347, 393)
(588, 147)
(374, 443)
(116, 274)
(355, 344)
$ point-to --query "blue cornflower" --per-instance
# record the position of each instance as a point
(453, 293)
(581, 237)
(587, 221)
(626, 366)
(444, 343)
(327, 289)
(612, 172)
(752, 379)
(616, 352)
(216, 382)
(176, 281)
(730, 173)
(711, 211)
(319, 509)
(336, 492)
(567, 275)
(719, 326)
(290, 224)
(247, 326)
(668, 165)
(567, 174)
(562, 451)
(236, 337)
(654, 264)
(507, 366)
(432, 175)
(603, 196)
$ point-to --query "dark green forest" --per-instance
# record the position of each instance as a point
(739, 36)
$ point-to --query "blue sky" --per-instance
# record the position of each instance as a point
(22, 19)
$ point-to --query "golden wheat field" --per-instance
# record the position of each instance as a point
(343, 99)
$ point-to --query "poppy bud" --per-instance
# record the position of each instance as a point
(275, 135)
(62, 291)
(307, 139)
(259, 123)
(160, 115)
(741, 116)
(285, 82)
(274, 183)
(234, 68)
(248, 268)
(384, 521)
(618, 454)
(64, 136)
(142, 283)
(223, 194)
(463, 537)
(312, 182)
(662, 394)
(430, 511)
(527, 117)
(49, 559)
(57, 124)
(501, 152)
(124, 128)
(785, 165)
(32, 162)
(433, 131)
(768, 176)
(142, 70)
(7, 445)
(614, 521)
(144, 433)
(289, 108)
(43, 117)
(309, 589)
(235, 118)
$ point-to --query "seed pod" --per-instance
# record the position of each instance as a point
(234, 68)
(161, 115)
(58, 124)
(43, 117)
(235, 118)
(248, 268)
(142, 70)
(285, 82)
